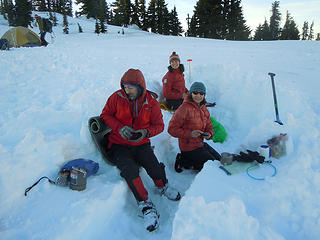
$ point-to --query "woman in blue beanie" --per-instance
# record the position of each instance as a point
(191, 124)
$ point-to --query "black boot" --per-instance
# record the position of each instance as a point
(178, 163)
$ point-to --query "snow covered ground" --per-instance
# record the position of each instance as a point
(47, 95)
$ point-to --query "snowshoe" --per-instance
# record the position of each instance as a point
(150, 215)
(170, 192)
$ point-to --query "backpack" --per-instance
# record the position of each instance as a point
(47, 25)
(4, 44)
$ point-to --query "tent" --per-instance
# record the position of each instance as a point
(22, 37)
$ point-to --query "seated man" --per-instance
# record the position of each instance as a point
(134, 115)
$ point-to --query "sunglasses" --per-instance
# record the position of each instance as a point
(196, 93)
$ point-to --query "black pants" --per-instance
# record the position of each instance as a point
(197, 158)
(129, 159)
(42, 38)
(173, 104)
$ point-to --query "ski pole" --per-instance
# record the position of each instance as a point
(189, 63)
(275, 99)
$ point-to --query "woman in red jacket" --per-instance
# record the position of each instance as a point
(174, 88)
(134, 115)
(191, 124)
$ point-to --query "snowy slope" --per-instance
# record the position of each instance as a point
(49, 93)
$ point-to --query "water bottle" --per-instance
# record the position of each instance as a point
(265, 151)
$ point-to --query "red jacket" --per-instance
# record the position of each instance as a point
(118, 111)
(188, 117)
(174, 85)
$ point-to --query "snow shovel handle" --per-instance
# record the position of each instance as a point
(275, 99)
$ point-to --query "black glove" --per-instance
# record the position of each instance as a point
(126, 132)
(210, 104)
(249, 157)
(138, 135)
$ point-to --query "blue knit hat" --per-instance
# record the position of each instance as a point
(198, 87)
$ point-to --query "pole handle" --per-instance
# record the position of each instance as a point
(271, 74)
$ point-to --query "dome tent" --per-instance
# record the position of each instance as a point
(22, 37)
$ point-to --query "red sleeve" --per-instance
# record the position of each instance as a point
(176, 124)
(156, 125)
(109, 111)
(166, 85)
(209, 127)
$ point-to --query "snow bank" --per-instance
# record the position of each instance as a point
(49, 93)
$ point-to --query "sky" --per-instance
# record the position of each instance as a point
(49, 93)
(255, 11)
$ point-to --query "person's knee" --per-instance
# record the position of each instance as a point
(129, 172)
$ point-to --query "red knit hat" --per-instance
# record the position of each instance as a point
(36, 16)
(173, 56)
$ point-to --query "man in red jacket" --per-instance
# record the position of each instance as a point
(134, 115)
(174, 89)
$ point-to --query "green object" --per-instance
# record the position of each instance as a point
(219, 132)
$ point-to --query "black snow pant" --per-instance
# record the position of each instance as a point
(42, 38)
(129, 159)
(195, 159)
(173, 104)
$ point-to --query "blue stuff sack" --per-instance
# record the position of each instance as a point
(91, 166)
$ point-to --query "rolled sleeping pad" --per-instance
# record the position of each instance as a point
(99, 131)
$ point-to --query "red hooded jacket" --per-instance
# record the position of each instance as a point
(188, 117)
(174, 84)
(119, 111)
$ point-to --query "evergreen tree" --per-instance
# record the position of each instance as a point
(258, 35)
(305, 29)
(1, 8)
(23, 11)
(36, 5)
(80, 28)
(10, 12)
(65, 19)
(58, 6)
(151, 16)
(4, 9)
(311, 35)
(188, 25)
(42, 7)
(266, 35)
(175, 27)
(85, 7)
(162, 17)
(208, 19)
(192, 30)
(103, 28)
(275, 20)
(54, 19)
(235, 27)
(97, 28)
(110, 16)
(290, 30)
(318, 37)
(68, 8)
(98, 11)
(122, 12)
(135, 13)
(65, 24)
(142, 14)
